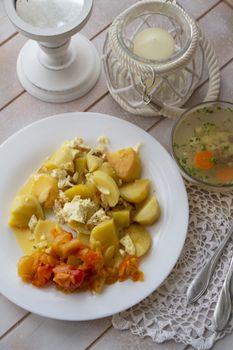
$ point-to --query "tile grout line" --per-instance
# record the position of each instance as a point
(12, 100)
(155, 123)
(16, 33)
(15, 325)
(9, 38)
(209, 10)
(96, 101)
(101, 31)
(107, 92)
(228, 3)
(99, 337)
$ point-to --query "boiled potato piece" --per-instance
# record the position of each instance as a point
(121, 217)
(107, 168)
(79, 227)
(93, 162)
(43, 231)
(109, 256)
(78, 190)
(107, 186)
(84, 238)
(140, 238)
(148, 212)
(95, 194)
(62, 159)
(45, 188)
(69, 247)
(126, 164)
(128, 244)
(81, 168)
(104, 235)
(135, 192)
(23, 207)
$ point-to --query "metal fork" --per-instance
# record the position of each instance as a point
(223, 307)
(202, 279)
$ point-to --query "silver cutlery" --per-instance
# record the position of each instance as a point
(223, 307)
(202, 279)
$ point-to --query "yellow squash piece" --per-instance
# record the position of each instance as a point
(107, 186)
(81, 168)
(135, 192)
(148, 212)
(107, 168)
(104, 235)
(45, 188)
(93, 162)
(81, 190)
(62, 159)
(23, 207)
(126, 164)
(27, 267)
(121, 217)
(140, 238)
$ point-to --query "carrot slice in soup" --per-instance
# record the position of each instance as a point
(203, 160)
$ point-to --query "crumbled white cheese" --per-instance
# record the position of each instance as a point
(62, 197)
(64, 180)
(98, 217)
(58, 211)
(79, 210)
(103, 140)
(127, 242)
(32, 223)
(78, 143)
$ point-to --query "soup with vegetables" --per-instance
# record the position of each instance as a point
(203, 145)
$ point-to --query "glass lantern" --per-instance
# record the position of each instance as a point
(158, 85)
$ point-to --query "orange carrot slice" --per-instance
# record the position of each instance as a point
(225, 174)
(203, 160)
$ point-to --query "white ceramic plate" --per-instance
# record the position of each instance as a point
(24, 152)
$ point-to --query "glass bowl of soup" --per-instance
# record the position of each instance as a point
(202, 145)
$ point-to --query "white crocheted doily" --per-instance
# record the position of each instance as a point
(165, 314)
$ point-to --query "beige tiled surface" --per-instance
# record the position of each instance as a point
(18, 329)
(198, 7)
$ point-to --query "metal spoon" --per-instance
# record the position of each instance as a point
(223, 307)
(202, 279)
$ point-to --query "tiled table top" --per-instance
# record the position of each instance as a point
(20, 330)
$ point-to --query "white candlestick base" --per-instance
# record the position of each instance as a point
(63, 84)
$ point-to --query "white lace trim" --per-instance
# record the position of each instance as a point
(165, 314)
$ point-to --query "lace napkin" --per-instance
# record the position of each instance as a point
(165, 314)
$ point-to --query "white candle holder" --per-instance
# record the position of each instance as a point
(148, 87)
(53, 66)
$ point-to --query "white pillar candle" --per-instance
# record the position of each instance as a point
(154, 44)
